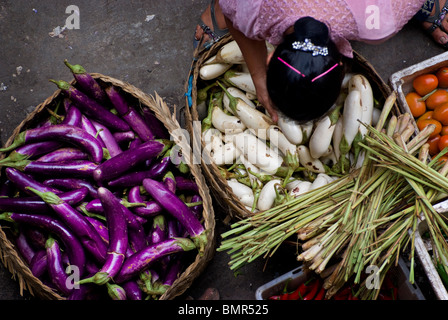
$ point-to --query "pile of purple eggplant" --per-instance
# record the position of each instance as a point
(96, 207)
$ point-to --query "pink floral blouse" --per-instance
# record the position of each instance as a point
(348, 20)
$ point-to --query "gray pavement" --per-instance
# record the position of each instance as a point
(148, 44)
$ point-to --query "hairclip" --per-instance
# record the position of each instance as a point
(300, 73)
(307, 45)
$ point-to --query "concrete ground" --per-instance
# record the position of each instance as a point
(148, 44)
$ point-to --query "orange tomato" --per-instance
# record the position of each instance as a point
(424, 123)
(443, 142)
(416, 106)
(425, 83)
(442, 76)
(440, 96)
(443, 158)
(444, 130)
(426, 115)
(441, 114)
(434, 145)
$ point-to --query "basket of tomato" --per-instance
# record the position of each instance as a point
(422, 90)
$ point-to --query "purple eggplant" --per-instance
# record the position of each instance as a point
(133, 291)
(95, 206)
(37, 205)
(185, 184)
(91, 107)
(124, 136)
(24, 247)
(72, 184)
(55, 267)
(31, 150)
(87, 83)
(136, 178)
(72, 117)
(158, 232)
(118, 237)
(108, 139)
(170, 182)
(178, 209)
(63, 133)
(173, 273)
(76, 222)
(64, 154)
(133, 118)
(74, 168)
(88, 126)
(141, 260)
(22, 181)
(116, 292)
(72, 245)
(160, 131)
(128, 159)
(149, 208)
(100, 228)
(36, 237)
(198, 207)
(39, 264)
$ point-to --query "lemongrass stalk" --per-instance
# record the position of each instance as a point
(391, 125)
(422, 135)
(387, 107)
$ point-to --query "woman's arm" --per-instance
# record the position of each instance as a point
(255, 55)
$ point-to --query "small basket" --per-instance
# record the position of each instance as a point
(20, 270)
(220, 189)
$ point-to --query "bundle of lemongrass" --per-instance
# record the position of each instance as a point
(364, 219)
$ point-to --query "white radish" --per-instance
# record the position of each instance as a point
(351, 115)
(226, 123)
(242, 192)
(307, 130)
(257, 152)
(242, 80)
(361, 83)
(224, 154)
(290, 128)
(237, 93)
(207, 135)
(337, 137)
(291, 185)
(375, 116)
(250, 168)
(329, 158)
(301, 188)
(313, 165)
(320, 181)
(346, 80)
(268, 194)
(251, 117)
(321, 137)
(279, 140)
(230, 53)
(211, 70)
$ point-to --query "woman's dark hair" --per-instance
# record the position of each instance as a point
(298, 82)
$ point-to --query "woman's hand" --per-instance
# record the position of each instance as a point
(263, 95)
(255, 55)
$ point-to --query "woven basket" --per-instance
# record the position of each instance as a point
(220, 189)
(20, 270)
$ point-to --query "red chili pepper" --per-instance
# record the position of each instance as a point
(321, 294)
(275, 297)
(285, 293)
(312, 293)
(300, 292)
(342, 294)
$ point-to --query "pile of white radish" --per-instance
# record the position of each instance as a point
(266, 163)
